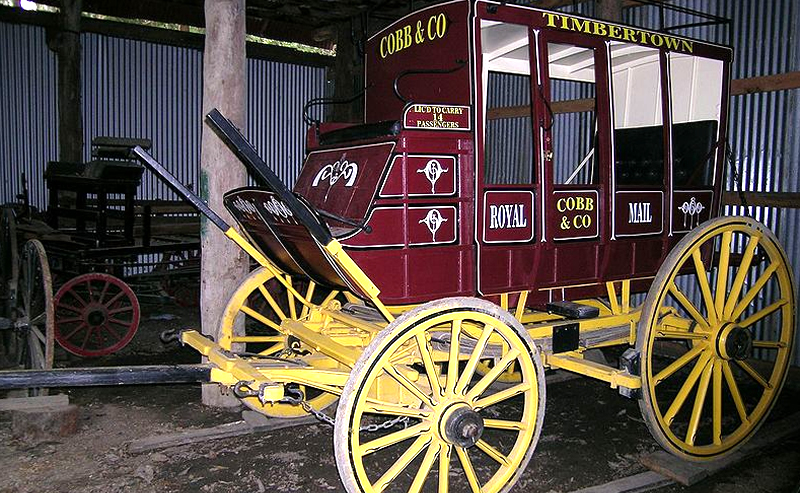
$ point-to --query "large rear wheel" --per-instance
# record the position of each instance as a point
(461, 433)
(715, 338)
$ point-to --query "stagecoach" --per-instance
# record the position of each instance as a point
(527, 186)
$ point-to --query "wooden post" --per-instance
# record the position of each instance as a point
(348, 78)
(610, 10)
(68, 48)
(223, 264)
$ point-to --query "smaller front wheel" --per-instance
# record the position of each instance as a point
(460, 432)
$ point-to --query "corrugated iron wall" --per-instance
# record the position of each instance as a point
(764, 128)
(28, 116)
(139, 89)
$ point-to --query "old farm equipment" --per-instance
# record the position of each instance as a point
(81, 254)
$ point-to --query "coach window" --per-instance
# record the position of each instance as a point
(696, 90)
(508, 140)
(638, 117)
(574, 133)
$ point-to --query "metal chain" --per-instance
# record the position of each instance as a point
(391, 423)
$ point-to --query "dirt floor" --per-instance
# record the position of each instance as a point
(591, 436)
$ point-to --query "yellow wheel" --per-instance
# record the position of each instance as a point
(251, 321)
(715, 338)
(460, 434)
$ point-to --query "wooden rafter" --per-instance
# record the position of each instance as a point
(766, 83)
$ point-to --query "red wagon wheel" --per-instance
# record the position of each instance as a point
(96, 314)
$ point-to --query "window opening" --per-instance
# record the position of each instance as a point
(573, 134)
(508, 138)
(696, 93)
(638, 116)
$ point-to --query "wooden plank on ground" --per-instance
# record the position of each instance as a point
(689, 473)
(646, 481)
(227, 430)
(20, 403)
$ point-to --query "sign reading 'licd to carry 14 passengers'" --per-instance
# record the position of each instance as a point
(437, 116)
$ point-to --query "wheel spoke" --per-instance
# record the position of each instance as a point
(682, 334)
(279, 346)
(260, 318)
(741, 275)
(687, 386)
(733, 388)
(495, 398)
(402, 462)
(88, 283)
(71, 308)
(103, 292)
(699, 402)
(380, 407)
(754, 290)
(493, 453)
(770, 344)
(124, 323)
(677, 364)
(722, 272)
(452, 359)
(763, 313)
(424, 469)
(78, 297)
(120, 310)
(291, 300)
(113, 332)
(271, 301)
(716, 389)
(469, 471)
(688, 306)
(754, 374)
(472, 363)
(393, 438)
(702, 280)
(76, 330)
(114, 299)
(89, 332)
(38, 319)
(38, 334)
(408, 384)
(500, 424)
(430, 367)
(493, 375)
(444, 467)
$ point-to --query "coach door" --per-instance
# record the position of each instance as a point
(573, 114)
(507, 178)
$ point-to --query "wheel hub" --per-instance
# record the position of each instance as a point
(95, 316)
(734, 343)
(461, 426)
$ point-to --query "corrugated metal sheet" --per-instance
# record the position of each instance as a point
(29, 130)
(139, 89)
(764, 131)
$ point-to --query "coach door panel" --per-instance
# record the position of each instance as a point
(507, 180)
(573, 155)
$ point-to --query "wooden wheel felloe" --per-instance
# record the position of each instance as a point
(461, 433)
(96, 314)
(252, 319)
(715, 338)
(34, 313)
